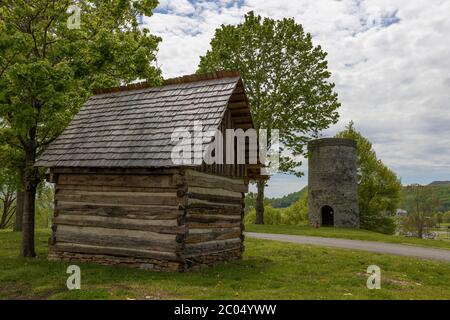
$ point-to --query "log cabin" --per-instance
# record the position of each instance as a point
(119, 197)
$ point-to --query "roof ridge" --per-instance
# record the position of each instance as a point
(177, 80)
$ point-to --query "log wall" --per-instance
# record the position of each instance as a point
(171, 220)
(128, 218)
(214, 218)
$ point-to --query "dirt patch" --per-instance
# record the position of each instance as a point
(401, 283)
(131, 292)
(20, 291)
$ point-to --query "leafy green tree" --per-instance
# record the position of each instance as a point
(286, 79)
(249, 200)
(8, 186)
(44, 204)
(379, 189)
(47, 71)
(297, 213)
(11, 161)
(421, 204)
(439, 218)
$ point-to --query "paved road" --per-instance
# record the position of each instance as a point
(380, 247)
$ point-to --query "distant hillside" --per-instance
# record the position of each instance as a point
(441, 189)
(289, 199)
(439, 183)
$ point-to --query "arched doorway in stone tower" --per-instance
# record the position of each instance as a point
(327, 216)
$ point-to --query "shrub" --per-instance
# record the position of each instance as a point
(297, 213)
(294, 215)
(378, 223)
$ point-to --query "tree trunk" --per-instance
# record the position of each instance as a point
(260, 184)
(19, 202)
(19, 211)
(420, 228)
(31, 181)
(8, 208)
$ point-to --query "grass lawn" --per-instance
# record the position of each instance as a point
(346, 233)
(269, 270)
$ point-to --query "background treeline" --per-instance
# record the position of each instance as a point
(440, 189)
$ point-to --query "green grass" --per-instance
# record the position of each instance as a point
(346, 233)
(269, 270)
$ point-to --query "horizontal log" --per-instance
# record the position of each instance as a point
(212, 218)
(238, 97)
(204, 180)
(114, 188)
(219, 252)
(242, 119)
(114, 251)
(117, 197)
(237, 104)
(146, 212)
(216, 198)
(236, 112)
(243, 126)
(204, 235)
(193, 231)
(210, 246)
(215, 191)
(207, 207)
(68, 235)
(197, 203)
(163, 181)
(158, 226)
(119, 242)
(108, 232)
(210, 225)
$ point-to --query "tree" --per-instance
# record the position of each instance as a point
(379, 189)
(250, 201)
(7, 197)
(297, 213)
(9, 183)
(45, 204)
(47, 70)
(421, 204)
(286, 79)
(12, 172)
(439, 218)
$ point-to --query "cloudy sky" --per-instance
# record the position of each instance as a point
(390, 61)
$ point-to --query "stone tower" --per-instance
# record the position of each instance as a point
(332, 183)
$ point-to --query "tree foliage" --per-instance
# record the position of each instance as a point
(8, 187)
(288, 199)
(286, 78)
(47, 71)
(295, 214)
(379, 189)
(421, 204)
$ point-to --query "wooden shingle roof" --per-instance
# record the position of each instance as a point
(132, 126)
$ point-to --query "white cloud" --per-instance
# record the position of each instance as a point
(389, 60)
(179, 7)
